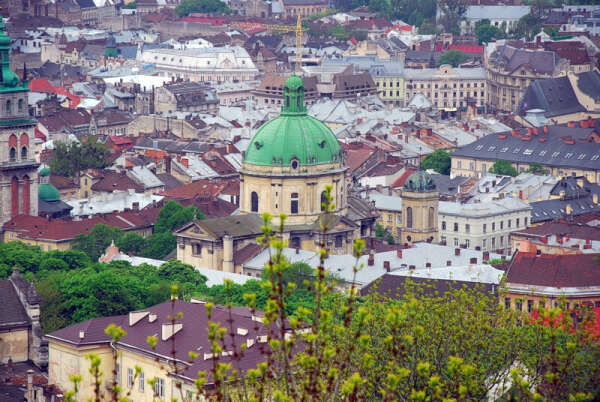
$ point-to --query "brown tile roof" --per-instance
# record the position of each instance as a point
(573, 230)
(246, 253)
(191, 337)
(109, 181)
(61, 182)
(357, 154)
(210, 206)
(552, 270)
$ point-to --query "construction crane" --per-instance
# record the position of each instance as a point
(289, 28)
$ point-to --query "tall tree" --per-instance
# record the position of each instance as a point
(70, 159)
(504, 168)
(453, 57)
(452, 13)
(438, 161)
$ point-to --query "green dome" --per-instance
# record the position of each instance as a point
(47, 192)
(293, 135)
(419, 181)
(45, 172)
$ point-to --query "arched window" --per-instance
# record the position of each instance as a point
(24, 153)
(254, 202)
(294, 203)
(8, 107)
(409, 217)
(323, 200)
(431, 217)
(13, 154)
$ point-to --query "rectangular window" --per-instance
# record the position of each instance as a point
(390, 218)
(529, 306)
(443, 225)
(338, 241)
(294, 206)
(456, 242)
(518, 221)
(507, 302)
(484, 244)
(484, 228)
(509, 223)
(519, 305)
(118, 371)
(456, 227)
(468, 228)
(129, 377)
(141, 382)
(493, 226)
(468, 243)
(159, 388)
(501, 241)
(493, 243)
(197, 249)
(525, 222)
(443, 240)
(399, 219)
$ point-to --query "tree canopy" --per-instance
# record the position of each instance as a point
(453, 57)
(504, 168)
(70, 159)
(438, 161)
(187, 7)
(486, 33)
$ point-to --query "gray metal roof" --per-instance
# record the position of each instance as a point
(551, 151)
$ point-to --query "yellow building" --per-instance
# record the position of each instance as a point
(420, 201)
(68, 348)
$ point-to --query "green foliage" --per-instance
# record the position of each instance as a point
(438, 161)
(69, 160)
(504, 168)
(131, 243)
(453, 57)
(97, 241)
(527, 27)
(536, 168)
(172, 216)
(187, 7)
(452, 12)
(131, 5)
(379, 230)
(487, 33)
(390, 239)
(428, 28)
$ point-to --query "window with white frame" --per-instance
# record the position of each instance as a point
(159, 388)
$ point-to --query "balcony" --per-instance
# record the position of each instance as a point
(16, 164)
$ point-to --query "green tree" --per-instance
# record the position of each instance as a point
(390, 239)
(452, 13)
(380, 7)
(438, 161)
(487, 33)
(177, 272)
(379, 230)
(97, 241)
(428, 28)
(453, 57)
(131, 243)
(174, 215)
(70, 159)
(527, 27)
(201, 6)
(504, 168)
(159, 245)
(536, 168)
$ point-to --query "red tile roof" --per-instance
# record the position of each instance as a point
(357, 154)
(110, 180)
(204, 186)
(552, 270)
(39, 228)
(399, 182)
(573, 230)
(43, 85)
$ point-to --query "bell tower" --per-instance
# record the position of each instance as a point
(18, 168)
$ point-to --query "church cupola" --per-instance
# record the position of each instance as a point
(293, 95)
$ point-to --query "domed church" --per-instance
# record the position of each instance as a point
(420, 200)
(289, 162)
(285, 170)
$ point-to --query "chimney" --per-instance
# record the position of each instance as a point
(456, 251)
(520, 194)
(399, 253)
(30, 385)
(371, 260)
(406, 138)
(411, 267)
(473, 260)
(529, 130)
(427, 265)
(386, 266)
(571, 124)
(544, 239)
(535, 131)
(486, 256)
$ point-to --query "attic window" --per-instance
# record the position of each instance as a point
(542, 153)
(504, 149)
(516, 150)
(596, 157)
(322, 144)
(555, 154)
(581, 156)
(568, 155)
(491, 149)
(528, 152)
(294, 164)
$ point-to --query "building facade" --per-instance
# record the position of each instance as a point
(510, 70)
(420, 200)
(447, 88)
(185, 97)
(484, 226)
(270, 90)
(216, 64)
(18, 176)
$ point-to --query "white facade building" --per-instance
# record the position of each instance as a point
(484, 226)
(216, 64)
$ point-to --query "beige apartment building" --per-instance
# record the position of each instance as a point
(510, 70)
(447, 87)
